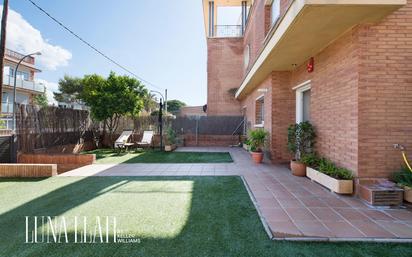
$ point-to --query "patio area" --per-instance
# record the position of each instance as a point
(291, 208)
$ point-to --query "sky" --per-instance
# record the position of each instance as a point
(162, 41)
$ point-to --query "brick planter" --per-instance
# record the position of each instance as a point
(65, 162)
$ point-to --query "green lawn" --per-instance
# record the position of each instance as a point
(107, 156)
(172, 216)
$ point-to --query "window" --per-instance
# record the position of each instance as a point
(275, 11)
(22, 75)
(260, 111)
(8, 71)
(246, 56)
(303, 95)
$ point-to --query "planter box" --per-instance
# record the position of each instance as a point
(335, 185)
(170, 148)
(407, 194)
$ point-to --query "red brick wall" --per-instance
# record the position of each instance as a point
(210, 140)
(255, 31)
(224, 72)
(385, 93)
(334, 100)
(283, 114)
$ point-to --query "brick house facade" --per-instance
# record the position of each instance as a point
(360, 100)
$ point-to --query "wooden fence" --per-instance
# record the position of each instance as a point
(42, 128)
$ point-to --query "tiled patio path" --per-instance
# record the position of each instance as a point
(291, 207)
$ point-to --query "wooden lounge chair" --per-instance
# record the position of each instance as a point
(146, 139)
(122, 142)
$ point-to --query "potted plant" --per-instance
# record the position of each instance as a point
(404, 179)
(246, 145)
(326, 173)
(257, 140)
(301, 138)
(170, 140)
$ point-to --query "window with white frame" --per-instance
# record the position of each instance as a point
(260, 111)
(303, 96)
(275, 11)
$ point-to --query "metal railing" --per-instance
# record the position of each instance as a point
(18, 56)
(228, 31)
(6, 107)
(25, 84)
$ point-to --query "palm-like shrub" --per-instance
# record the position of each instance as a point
(257, 139)
(301, 139)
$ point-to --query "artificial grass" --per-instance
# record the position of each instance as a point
(172, 216)
(108, 156)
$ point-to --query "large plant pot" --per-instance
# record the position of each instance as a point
(169, 148)
(407, 194)
(335, 185)
(257, 157)
(298, 168)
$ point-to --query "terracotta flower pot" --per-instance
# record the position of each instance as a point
(298, 168)
(257, 157)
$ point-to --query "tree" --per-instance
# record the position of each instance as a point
(70, 88)
(111, 98)
(174, 106)
(41, 100)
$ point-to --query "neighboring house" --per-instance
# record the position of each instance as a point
(73, 105)
(26, 88)
(345, 66)
(192, 111)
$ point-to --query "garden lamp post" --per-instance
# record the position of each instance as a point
(14, 137)
(160, 118)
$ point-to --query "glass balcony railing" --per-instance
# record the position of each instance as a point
(25, 84)
(228, 31)
(6, 107)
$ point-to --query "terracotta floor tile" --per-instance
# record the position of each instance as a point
(334, 202)
(300, 214)
(371, 229)
(376, 215)
(313, 202)
(400, 214)
(325, 214)
(290, 203)
(268, 203)
(275, 215)
(397, 228)
(343, 229)
(313, 229)
(351, 214)
(283, 229)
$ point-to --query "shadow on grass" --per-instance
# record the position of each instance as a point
(221, 221)
(109, 156)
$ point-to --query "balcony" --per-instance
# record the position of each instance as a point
(225, 18)
(6, 107)
(228, 31)
(17, 56)
(24, 84)
(307, 27)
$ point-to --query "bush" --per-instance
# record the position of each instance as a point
(171, 136)
(310, 160)
(257, 139)
(301, 139)
(329, 168)
(403, 177)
